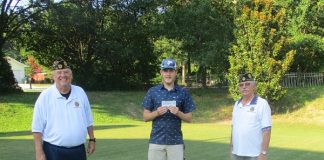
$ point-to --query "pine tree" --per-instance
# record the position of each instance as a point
(7, 80)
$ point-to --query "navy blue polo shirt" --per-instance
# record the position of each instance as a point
(166, 129)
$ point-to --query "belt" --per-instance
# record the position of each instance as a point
(63, 147)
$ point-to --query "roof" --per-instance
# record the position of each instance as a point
(14, 63)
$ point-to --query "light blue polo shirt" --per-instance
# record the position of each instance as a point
(62, 122)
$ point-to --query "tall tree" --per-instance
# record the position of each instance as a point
(306, 27)
(126, 45)
(113, 38)
(260, 48)
(66, 30)
(171, 48)
(205, 28)
(13, 15)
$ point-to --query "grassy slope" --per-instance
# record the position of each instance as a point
(304, 105)
(301, 104)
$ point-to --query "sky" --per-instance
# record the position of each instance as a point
(24, 2)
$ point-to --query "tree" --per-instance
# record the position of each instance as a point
(126, 45)
(309, 53)
(13, 15)
(111, 43)
(205, 29)
(260, 48)
(306, 18)
(171, 48)
(66, 30)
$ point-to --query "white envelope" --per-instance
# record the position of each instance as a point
(169, 103)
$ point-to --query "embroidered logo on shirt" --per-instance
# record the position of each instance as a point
(76, 104)
(251, 109)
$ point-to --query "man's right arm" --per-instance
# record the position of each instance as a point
(151, 115)
(231, 143)
(40, 155)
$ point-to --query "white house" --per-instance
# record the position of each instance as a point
(18, 69)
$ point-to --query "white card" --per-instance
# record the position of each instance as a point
(169, 103)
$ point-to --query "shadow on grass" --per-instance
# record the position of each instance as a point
(25, 133)
(26, 98)
(18, 133)
(136, 149)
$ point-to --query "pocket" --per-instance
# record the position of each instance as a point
(251, 117)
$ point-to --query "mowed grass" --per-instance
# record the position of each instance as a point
(297, 133)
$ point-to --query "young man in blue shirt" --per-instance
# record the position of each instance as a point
(166, 105)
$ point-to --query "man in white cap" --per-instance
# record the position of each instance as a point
(62, 119)
(166, 105)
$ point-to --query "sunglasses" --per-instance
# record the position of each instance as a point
(247, 84)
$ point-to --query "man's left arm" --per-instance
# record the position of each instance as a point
(265, 143)
(266, 123)
(92, 141)
(187, 117)
(189, 106)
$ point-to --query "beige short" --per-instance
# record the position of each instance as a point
(165, 152)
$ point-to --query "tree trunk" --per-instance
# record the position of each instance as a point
(183, 73)
(188, 64)
(203, 76)
(188, 82)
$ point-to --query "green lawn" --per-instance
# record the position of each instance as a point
(297, 133)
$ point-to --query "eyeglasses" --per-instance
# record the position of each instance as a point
(246, 84)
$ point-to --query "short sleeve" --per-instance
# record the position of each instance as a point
(233, 112)
(147, 101)
(189, 104)
(266, 115)
(38, 123)
(88, 110)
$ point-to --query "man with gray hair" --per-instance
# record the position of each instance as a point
(62, 119)
(251, 123)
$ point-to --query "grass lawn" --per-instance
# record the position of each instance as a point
(297, 132)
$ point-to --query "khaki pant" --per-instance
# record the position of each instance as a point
(236, 157)
(165, 152)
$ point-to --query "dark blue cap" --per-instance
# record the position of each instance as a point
(246, 77)
(59, 64)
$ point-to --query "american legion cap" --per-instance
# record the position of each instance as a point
(246, 77)
(169, 63)
(59, 64)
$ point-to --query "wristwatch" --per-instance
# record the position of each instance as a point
(92, 139)
(264, 152)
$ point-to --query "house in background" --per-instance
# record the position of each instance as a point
(18, 69)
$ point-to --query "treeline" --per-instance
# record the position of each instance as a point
(118, 44)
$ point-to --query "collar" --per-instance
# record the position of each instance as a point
(58, 94)
(175, 87)
(252, 102)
